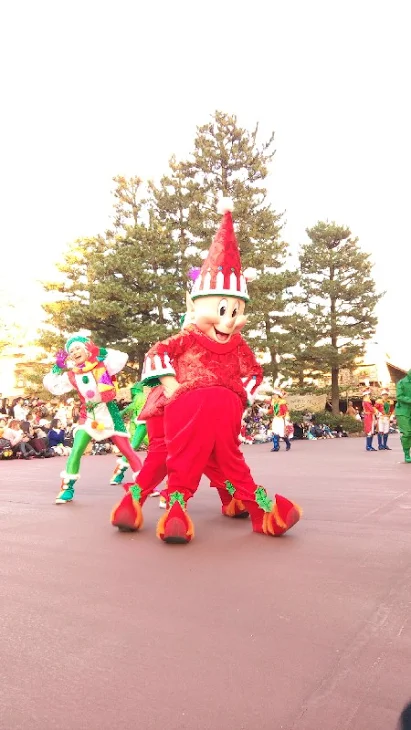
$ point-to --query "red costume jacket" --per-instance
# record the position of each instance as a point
(199, 362)
(369, 415)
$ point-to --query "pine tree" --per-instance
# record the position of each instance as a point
(127, 286)
(173, 200)
(119, 286)
(228, 160)
(300, 363)
(340, 298)
(68, 308)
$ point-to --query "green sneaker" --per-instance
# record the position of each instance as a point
(66, 494)
(118, 474)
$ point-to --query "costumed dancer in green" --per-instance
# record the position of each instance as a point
(138, 430)
(403, 414)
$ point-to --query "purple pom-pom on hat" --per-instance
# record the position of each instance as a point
(194, 273)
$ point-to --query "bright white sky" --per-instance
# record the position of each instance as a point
(92, 89)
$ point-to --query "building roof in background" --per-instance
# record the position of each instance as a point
(395, 372)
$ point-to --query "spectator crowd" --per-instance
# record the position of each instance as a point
(34, 429)
(257, 420)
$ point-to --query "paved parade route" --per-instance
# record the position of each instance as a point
(235, 631)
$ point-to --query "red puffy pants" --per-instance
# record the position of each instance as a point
(202, 428)
(154, 469)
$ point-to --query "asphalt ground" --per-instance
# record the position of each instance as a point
(235, 631)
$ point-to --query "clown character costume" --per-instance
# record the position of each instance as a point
(281, 420)
(207, 372)
(138, 430)
(90, 370)
(403, 414)
(385, 408)
(370, 414)
(127, 515)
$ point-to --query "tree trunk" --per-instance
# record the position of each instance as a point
(141, 356)
(274, 370)
(335, 391)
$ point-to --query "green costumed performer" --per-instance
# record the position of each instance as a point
(138, 427)
(403, 414)
(90, 370)
(138, 430)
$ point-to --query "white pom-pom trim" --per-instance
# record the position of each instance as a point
(250, 274)
(225, 205)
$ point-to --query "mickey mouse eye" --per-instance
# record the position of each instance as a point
(222, 307)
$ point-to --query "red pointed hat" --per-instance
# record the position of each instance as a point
(221, 273)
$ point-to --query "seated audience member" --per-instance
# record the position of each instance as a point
(298, 431)
(56, 437)
(20, 442)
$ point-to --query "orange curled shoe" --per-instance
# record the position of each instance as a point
(235, 509)
(282, 517)
(127, 515)
(175, 526)
(232, 507)
(273, 517)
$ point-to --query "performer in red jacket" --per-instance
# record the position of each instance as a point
(369, 418)
(207, 372)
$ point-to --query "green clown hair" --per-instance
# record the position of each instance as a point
(76, 338)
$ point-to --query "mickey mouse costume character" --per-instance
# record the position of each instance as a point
(91, 371)
(207, 370)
